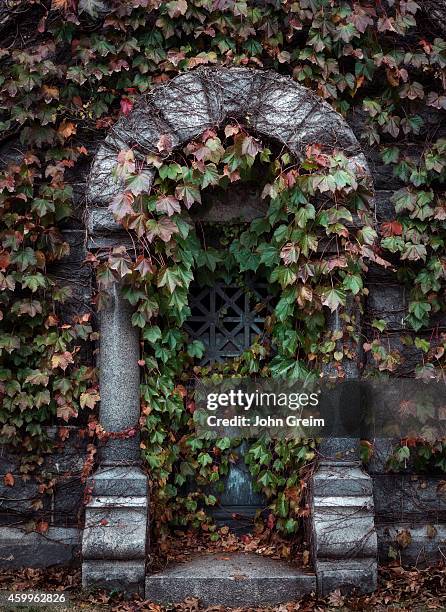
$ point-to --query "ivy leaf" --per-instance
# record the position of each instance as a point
(121, 205)
(353, 283)
(152, 334)
(89, 399)
(34, 281)
(391, 228)
(138, 320)
(367, 235)
(333, 298)
(414, 252)
(390, 155)
(422, 344)
(412, 91)
(290, 253)
(269, 254)
(168, 204)
(251, 146)
(188, 193)
(140, 183)
(223, 443)
(61, 360)
(164, 229)
(169, 278)
(37, 377)
(209, 258)
(196, 349)
(324, 183)
(210, 176)
(42, 207)
(304, 214)
(284, 275)
(24, 259)
(284, 309)
(379, 324)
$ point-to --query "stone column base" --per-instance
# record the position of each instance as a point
(115, 534)
(344, 541)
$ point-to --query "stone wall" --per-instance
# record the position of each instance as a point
(410, 511)
(24, 509)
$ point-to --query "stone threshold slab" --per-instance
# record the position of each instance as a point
(230, 579)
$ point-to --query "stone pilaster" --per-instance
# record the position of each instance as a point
(115, 533)
(343, 536)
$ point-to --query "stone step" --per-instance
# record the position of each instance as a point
(230, 579)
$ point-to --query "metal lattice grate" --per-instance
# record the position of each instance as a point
(226, 318)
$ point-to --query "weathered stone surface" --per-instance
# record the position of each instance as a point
(231, 580)
(101, 185)
(58, 546)
(359, 574)
(382, 451)
(142, 129)
(409, 497)
(103, 231)
(71, 272)
(331, 480)
(344, 530)
(127, 576)
(67, 502)
(242, 202)
(183, 104)
(119, 373)
(327, 126)
(119, 480)
(383, 176)
(426, 544)
(231, 91)
(115, 528)
(389, 303)
(339, 449)
(18, 499)
(384, 207)
(282, 109)
(66, 455)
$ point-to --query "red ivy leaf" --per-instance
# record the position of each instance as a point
(121, 205)
(8, 480)
(126, 106)
(391, 228)
(164, 144)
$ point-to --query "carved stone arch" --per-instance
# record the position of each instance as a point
(114, 541)
(271, 105)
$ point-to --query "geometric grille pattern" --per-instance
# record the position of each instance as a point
(226, 318)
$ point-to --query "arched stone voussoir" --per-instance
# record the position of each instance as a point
(183, 103)
(143, 128)
(102, 184)
(326, 127)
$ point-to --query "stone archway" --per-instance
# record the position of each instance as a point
(271, 105)
(114, 542)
